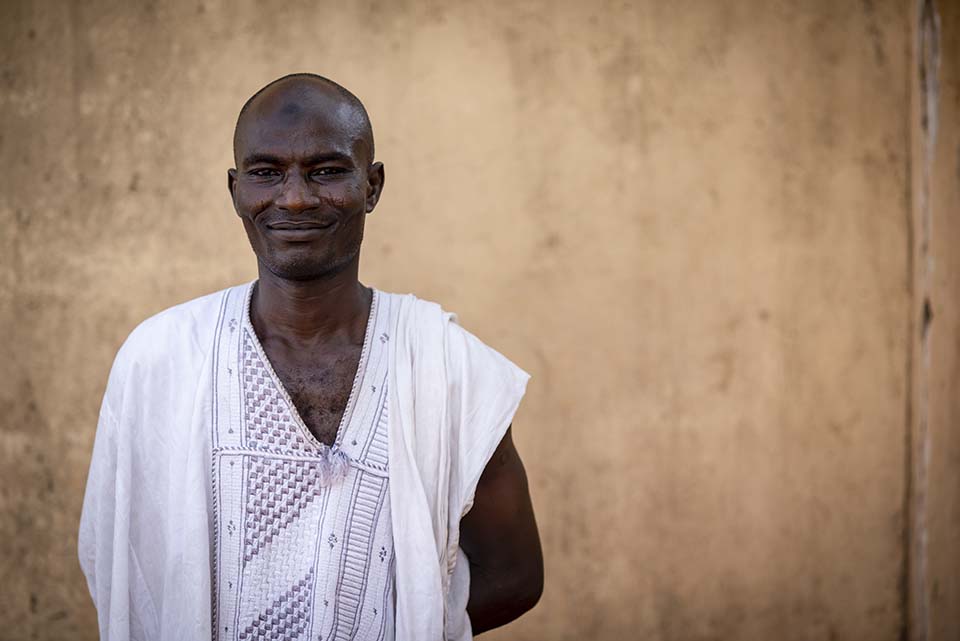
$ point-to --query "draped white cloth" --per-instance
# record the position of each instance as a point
(148, 521)
(453, 400)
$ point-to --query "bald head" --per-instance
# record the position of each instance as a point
(301, 96)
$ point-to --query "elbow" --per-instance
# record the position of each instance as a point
(528, 589)
(496, 600)
(529, 595)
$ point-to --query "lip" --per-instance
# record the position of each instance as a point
(298, 225)
(299, 232)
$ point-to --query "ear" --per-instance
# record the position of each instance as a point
(232, 186)
(375, 178)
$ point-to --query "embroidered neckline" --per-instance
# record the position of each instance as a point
(355, 390)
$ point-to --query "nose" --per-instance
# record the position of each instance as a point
(296, 194)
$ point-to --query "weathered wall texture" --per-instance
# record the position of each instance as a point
(690, 221)
(935, 401)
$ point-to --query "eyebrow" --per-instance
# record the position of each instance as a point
(315, 159)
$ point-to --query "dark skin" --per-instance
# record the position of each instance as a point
(304, 183)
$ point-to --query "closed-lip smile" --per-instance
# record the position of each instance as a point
(297, 225)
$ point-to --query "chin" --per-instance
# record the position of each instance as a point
(302, 268)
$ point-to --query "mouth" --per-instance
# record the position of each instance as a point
(300, 231)
(304, 224)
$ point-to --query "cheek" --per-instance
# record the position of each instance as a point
(345, 198)
(251, 201)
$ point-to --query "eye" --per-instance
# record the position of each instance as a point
(264, 172)
(328, 171)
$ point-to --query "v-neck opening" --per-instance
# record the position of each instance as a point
(355, 388)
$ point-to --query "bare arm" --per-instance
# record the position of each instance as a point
(499, 536)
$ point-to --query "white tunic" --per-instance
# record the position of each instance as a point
(212, 512)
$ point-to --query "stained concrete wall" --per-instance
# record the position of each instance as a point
(690, 221)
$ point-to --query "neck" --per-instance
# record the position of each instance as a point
(306, 311)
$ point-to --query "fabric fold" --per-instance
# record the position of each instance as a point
(455, 397)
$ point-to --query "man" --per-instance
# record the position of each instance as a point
(304, 457)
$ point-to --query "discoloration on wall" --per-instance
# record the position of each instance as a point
(926, 58)
(935, 561)
(687, 220)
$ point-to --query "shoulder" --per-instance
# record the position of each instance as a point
(176, 338)
(188, 325)
(430, 327)
(409, 307)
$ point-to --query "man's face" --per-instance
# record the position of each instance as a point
(303, 185)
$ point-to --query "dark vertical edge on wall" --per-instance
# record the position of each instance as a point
(922, 75)
(903, 584)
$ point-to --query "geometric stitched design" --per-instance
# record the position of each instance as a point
(377, 454)
(277, 491)
(367, 501)
(287, 617)
(269, 421)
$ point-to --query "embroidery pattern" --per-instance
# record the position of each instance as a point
(287, 617)
(376, 454)
(270, 425)
(278, 490)
(366, 505)
(304, 531)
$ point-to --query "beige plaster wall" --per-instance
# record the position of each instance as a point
(690, 221)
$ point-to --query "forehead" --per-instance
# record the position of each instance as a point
(296, 123)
